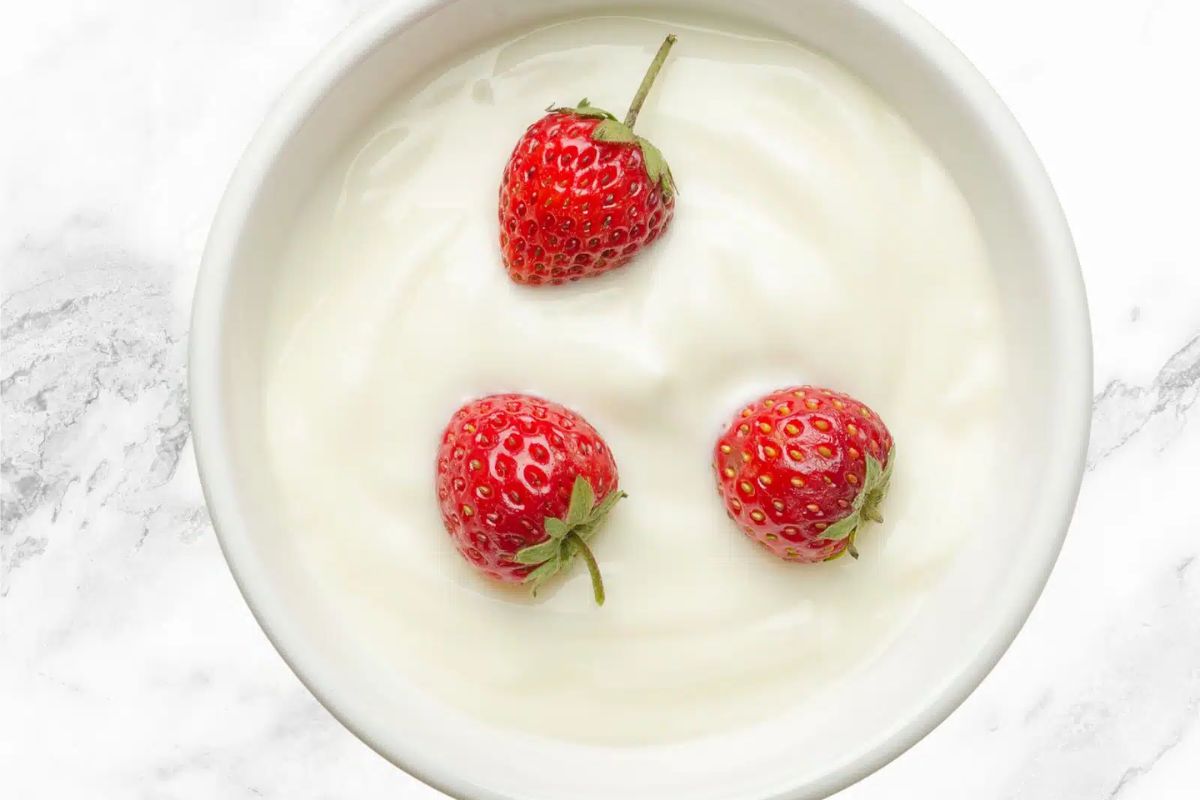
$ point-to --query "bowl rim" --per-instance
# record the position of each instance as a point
(209, 313)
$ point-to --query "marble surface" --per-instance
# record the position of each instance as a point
(129, 665)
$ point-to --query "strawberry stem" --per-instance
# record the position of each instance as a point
(644, 89)
(593, 568)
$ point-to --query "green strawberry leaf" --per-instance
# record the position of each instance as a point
(875, 487)
(871, 482)
(540, 575)
(668, 184)
(606, 505)
(582, 501)
(556, 528)
(843, 527)
(885, 480)
(655, 163)
(612, 131)
(583, 109)
(539, 553)
(656, 166)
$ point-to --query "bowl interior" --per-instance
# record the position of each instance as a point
(959, 632)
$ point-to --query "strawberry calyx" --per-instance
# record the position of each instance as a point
(611, 129)
(567, 537)
(866, 505)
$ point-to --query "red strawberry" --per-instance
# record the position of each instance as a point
(518, 478)
(802, 469)
(581, 194)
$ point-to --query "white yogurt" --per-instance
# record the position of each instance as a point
(816, 240)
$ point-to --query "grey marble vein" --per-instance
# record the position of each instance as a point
(1122, 411)
(1133, 773)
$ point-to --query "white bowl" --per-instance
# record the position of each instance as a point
(960, 632)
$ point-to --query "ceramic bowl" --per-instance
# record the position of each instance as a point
(956, 637)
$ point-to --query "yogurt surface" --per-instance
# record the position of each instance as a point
(816, 240)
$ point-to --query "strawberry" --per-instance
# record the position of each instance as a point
(518, 480)
(802, 469)
(582, 194)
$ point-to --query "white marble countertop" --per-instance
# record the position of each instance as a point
(131, 668)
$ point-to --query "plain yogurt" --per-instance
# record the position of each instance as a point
(816, 240)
